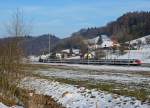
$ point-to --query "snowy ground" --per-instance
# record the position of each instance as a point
(74, 97)
(94, 76)
(100, 67)
(142, 54)
(3, 106)
(132, 79)
(135, 77)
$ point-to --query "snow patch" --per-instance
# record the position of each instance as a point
(3, 106)
(101, 67)
(72, 96)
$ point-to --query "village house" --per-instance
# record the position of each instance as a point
(102, 41)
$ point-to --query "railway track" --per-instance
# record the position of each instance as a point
(134, 62)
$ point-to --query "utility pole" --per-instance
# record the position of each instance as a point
(88, 55)
(49, 47)
(129, 53)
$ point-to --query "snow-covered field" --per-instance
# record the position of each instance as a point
(123, 78)
(100, 67)
(142, 54)
(138, 77)
(72, 96)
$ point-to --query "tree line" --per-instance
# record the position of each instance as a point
(129, 26)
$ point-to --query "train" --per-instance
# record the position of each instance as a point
(134, 62)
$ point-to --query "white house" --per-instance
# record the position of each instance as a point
(106, 41)
(102, 41)
(93, 43)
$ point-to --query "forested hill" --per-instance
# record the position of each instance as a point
(35, 45)
(129, 26)
(38, 45)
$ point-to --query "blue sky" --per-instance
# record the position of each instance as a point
(63, 17)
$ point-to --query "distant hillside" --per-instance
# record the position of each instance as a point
(36, 45)
(40, 44)
(70, 42)
(130, 26)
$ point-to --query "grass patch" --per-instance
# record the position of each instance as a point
(120, 89)
(140, 94)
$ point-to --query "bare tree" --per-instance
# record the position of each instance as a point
(11, 55)
(17, 25)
